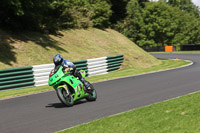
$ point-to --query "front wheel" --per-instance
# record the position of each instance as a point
(92, 95)
(65, 97)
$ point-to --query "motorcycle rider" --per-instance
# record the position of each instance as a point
(58, 60)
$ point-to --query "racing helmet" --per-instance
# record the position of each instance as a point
(58, 60)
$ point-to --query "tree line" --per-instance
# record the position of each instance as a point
(147, 23)
(161, 23)
(52, 15)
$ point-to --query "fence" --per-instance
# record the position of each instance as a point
(38, 75)
(190, 47)
(154, 49)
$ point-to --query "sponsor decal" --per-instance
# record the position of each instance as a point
(56, 76)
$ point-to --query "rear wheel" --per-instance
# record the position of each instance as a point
(92, 95)
(65, 97)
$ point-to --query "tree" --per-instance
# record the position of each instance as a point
(119, 10)
(166, 25)
(142, 2)
(132, 24)
(185, 5)
(159, 24)
(20, 14)
(51, 15)
(81, 13)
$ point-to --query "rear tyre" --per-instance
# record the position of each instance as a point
(65, 98)
(92, 95)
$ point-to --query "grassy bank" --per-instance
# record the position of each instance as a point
(28, 48)
(165, 64)
(180, 115)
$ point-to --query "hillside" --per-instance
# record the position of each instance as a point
(26, 49)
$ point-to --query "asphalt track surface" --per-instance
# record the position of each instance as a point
(43, 113)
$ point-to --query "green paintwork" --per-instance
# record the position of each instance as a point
(16, 69)
(80, 62)
(115, 59)
(16, 72)
(59, 78)
(83, 73)
(16, 77)
(11, 86)
(111, 57)
(16, 81)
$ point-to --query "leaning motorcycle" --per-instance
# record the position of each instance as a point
(69, 88)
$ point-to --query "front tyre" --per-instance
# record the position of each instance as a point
(92, 95)
(65, 98)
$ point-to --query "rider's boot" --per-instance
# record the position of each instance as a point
(86, 84)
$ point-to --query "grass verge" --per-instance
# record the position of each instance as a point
(180, 115)
(197, 51)
(166, 64)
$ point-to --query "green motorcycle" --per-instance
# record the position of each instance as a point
(68, 88)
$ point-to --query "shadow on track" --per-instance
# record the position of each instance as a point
(60, 105)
